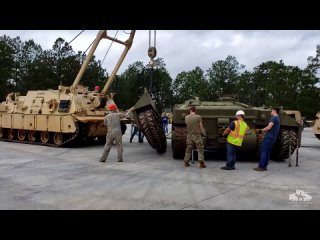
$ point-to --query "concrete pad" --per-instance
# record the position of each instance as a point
(38, 177)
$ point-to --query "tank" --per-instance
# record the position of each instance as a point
(60, 117)
(316, 126)
(218, 115)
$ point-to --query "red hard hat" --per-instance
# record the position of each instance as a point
(97, 88)
(112, 107)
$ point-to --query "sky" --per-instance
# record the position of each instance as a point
(183, 50)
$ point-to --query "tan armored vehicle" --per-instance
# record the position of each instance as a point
(60, 117)
(316, 127)
(296, 115)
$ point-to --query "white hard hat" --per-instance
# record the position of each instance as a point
(240, 112)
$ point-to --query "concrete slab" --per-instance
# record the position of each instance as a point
(37, 177)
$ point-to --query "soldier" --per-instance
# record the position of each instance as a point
(195, 128)
(112, 121)
(96, 89)
(235, 132)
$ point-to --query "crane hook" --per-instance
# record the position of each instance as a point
(152, 51)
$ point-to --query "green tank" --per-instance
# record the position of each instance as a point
(217, 116)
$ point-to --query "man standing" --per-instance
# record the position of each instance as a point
(165, 122)
(235, 132)
(195, 128)
(112, 121)
(135, 131)
(272, 131)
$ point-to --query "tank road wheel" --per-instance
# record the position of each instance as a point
(44, 137)
(281, 146)
(10, 133)
(32, 136)
(22, 134)
(178, 142)
(1, 133)
(151, 128)
(57, 138)
(178, 149)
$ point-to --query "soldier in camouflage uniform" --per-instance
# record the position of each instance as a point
(112, 121)
(195, 128)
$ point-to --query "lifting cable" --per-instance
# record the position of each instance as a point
(110, 47)
(154, 38)
(68, 43)
(88, 47)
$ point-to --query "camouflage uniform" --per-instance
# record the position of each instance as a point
(194, 138)
(112, 121)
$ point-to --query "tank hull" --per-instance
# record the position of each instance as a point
(217, 116)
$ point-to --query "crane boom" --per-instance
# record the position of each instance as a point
(127, 44)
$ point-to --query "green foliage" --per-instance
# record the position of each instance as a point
(223, 77)
(190, 84)
(26, 66)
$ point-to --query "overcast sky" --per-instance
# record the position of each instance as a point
(183, 50)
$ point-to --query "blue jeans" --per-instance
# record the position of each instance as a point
(165, 127)
(265, 152)
(231, 155)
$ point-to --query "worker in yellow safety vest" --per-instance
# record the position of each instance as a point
(236, 131)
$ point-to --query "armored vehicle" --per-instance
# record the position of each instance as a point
(218, 115)
(60, 117)
(316, 127)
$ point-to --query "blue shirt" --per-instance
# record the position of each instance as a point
(272, 134)
(232, 126)
(165, 120)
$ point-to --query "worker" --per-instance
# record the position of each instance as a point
(96, 89)
(112, 121)
(195, 129)
(165, 122)
(272, 131)
(135, 131)
(235, 133)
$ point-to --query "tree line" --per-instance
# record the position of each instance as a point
(26, 66)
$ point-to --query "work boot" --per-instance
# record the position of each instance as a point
(102, 160)
(202, 165)
(186, 164)
(226, 168)
(259, 169)
(120, 160)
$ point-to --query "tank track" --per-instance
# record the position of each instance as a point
(179, 142)
(67, 142)
(281, 147)
(151, 127)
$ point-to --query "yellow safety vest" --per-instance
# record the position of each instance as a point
(236, 137)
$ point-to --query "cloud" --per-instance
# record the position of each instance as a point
(183, 50)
